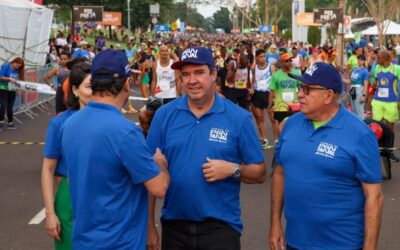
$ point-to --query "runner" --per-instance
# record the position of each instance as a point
(62, 71)
(166, 82)
(238, 79)
(259, 92)
(283, 92)
(58, 208)
(385, 101)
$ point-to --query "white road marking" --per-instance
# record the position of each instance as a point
(38, 218)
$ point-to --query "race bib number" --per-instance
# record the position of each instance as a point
(240, 85)
(262, 85)
(383, 92)
(11, 86)
(288, 96)
(164, 85)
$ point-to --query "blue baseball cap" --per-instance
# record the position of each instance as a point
(110, 64)
(322, 74)
(195, 55)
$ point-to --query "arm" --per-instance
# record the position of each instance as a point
(153, 239)
(153, 83)
(276, 236)
(215, 170)
(373, 212)
(158, 185)
(365, 90)
(53, 72)
(253, 79)
(52, 223)
(271, 99)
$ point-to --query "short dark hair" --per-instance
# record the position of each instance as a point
(259, 52)
(79, 72)
(107, 86)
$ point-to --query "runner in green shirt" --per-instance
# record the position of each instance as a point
(283, 91)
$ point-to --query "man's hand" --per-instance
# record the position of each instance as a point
(160, 160)
(153, 240)
(53, 226)
(215, 170)
(276, 239)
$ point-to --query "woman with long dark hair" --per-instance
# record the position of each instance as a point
(10, 73)
(58, 208)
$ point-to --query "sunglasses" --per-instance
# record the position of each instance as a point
(287, 61)
(307, 88)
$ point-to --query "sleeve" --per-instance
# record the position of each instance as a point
(52, 147)
(367, 158)
(155, 138)
(249, 144)
(365, 76)
(278, 146)
(3, 70)
(137, 158)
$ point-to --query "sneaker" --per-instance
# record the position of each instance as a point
(124, 111)
(264, 143)
(368, 114)
(11, 126)
(393, 157)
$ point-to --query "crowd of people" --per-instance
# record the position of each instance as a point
(198, 141)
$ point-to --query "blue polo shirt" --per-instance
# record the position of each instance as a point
(323, 196)
(225, 132)
(108, 162)
(52, 147)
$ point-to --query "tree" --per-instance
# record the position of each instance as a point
(382, 10)
(221, 19)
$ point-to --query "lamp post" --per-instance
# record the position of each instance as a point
(129, 20)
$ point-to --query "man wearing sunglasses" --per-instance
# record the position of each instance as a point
(283, 92)
(328, 172)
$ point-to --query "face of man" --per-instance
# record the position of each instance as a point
(359, 51)
(198, 82)
(164, 52)
(260, 59)
(294, 52)
(312, 99)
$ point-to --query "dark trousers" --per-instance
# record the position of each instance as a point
(7, 99)
(206, 235)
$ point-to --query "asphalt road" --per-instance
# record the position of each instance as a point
(21, 199)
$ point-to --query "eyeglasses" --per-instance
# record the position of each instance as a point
(306, 88)
(285, 61)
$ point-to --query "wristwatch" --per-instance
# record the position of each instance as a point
(236, 171)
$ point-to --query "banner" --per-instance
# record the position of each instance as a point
(111, 18)
(162, 28)
(88, 13)
(265, 28)
(323, 15)
(306, 19)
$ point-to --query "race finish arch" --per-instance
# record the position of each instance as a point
(24, 31)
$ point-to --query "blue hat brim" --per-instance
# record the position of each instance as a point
(180, 64)
(301, 79)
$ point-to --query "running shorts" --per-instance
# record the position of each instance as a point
(260, 99)
(384, 110)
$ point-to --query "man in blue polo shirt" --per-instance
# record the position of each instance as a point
(332, 188)
(211, 145)
(110, 168)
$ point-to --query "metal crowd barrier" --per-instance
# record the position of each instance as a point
(27, 101)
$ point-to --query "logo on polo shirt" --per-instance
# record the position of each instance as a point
(310, 71)
(326, 149)
(219, 135)
(189, 53)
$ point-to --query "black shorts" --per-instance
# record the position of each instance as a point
(280, 116)
(260, 99)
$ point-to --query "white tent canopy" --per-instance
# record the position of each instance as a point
(24, 31)
(392, 29)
